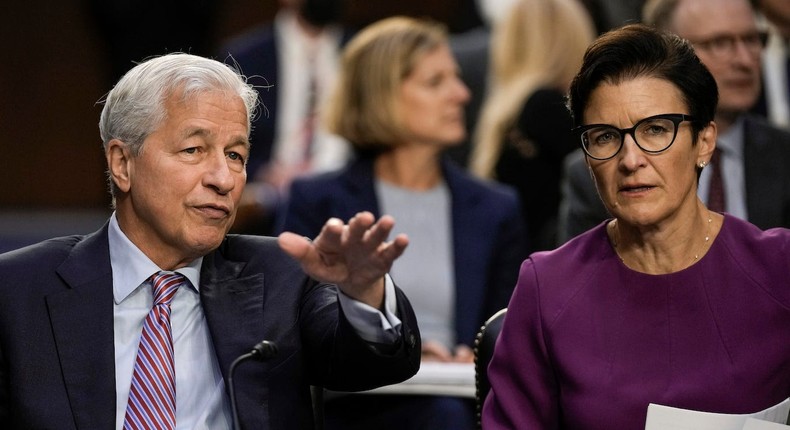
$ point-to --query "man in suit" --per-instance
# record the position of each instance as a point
(72, 310)
(755, 155)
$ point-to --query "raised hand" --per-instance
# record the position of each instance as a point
(355, 256)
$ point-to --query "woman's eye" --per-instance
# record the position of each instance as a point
(655, 129)
(604, 138)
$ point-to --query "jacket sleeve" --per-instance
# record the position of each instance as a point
(341, 360)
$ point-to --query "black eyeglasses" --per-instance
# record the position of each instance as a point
(653, 134)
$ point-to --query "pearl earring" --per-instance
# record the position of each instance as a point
(702, 164)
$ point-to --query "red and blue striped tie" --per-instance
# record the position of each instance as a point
(152, 397)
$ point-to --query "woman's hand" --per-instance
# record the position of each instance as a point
(435, 351)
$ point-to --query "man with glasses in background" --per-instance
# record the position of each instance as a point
(750, 176)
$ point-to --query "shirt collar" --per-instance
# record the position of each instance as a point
(131, 268)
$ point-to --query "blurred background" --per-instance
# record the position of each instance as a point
(62, 57)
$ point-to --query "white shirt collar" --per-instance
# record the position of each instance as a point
(131, 268)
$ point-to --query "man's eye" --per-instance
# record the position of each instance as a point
(722, 42)
(236, 156)
(190, 150)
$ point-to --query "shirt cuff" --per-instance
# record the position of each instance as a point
(370, 323)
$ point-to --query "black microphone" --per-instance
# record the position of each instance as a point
(262, 351)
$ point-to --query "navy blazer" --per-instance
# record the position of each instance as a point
(57, 365)
(766, 158)
(487, 231)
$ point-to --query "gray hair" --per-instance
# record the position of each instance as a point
(135, 107)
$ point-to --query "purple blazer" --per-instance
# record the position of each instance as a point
(588, 343)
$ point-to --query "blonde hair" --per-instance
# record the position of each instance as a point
(362, 108)
(540, 44)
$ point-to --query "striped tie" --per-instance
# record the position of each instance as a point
(152, 396)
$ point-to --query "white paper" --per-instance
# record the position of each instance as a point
(661, 417)
(755, 424)
(435, 378)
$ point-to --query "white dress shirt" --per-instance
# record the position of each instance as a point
(201, 402)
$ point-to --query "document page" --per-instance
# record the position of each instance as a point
(755, 424)
(434, 378)
(661, 417)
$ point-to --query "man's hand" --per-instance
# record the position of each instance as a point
(355, 256)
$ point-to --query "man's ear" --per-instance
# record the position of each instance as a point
(118, 164)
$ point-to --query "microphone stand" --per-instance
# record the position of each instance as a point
(262, 351)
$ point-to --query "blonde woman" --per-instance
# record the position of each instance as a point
(400, 101)
(524, 130)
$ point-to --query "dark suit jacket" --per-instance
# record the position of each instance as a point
(487, 231)
(56, 335)
(766, 171)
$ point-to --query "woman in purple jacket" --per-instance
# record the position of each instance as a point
(667, 302)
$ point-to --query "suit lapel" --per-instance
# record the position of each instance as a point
(82, 324)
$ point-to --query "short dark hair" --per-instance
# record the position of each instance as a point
(637, 50)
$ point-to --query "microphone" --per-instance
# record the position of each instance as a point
(262, 351)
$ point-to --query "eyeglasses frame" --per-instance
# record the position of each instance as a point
(676, 118)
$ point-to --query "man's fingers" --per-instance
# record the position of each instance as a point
(330, 235)
(359, 225)
(294, 245)
(392, 250)
(379, 232)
